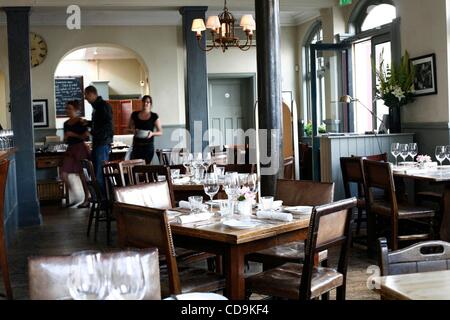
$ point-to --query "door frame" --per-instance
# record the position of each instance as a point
(230, 76)
(346, 75)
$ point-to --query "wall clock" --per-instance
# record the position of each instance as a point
(38, 49)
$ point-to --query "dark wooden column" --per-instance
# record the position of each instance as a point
(22, 114)
(196, 79)
(269, 90)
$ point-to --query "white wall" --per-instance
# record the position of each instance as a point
(157, 48)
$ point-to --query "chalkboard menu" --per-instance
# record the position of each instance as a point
(67, 89)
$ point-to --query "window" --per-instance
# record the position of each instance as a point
(315, 36)
(378, 15)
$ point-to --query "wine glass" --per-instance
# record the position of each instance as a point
(187, 161)
(440, 154)
(211, 186)
(127, 280)
(447, 152)
(87, 279)
(395, 151)
(413, 150)
(231, 186)
(207, 161)
(404, 151)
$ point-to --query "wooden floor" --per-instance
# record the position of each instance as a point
(64, 231)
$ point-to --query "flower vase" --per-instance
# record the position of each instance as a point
(245, 209)
(395, 120)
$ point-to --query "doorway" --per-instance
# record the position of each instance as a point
(230, 108)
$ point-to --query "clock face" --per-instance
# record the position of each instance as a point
(38, 49)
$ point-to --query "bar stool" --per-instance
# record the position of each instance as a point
(4, 166)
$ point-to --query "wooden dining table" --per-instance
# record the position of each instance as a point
(233, 245)
(433, 176)
(415, 286)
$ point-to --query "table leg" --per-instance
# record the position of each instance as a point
(445, 223)
(234, 273)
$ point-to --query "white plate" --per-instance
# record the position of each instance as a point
(142, 134)
(299, 209)
(445, 167)
(241, 225)
(198, 296)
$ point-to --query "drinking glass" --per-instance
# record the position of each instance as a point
(175, 173)
(231, 186)
(267, 203)
(413, 150)
(440, 154)
(211, 186)
(207, 161)
(395, 151)
(87, 279)
(187, 161)
(404, 151)
(196, 203)
(219, 171)
(126, 277)
(447, 152)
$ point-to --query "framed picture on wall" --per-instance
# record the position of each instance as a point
(40, 113)
(425, 82)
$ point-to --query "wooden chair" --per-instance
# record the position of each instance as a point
(113, 179)
(179, 167)
(239, 168)
(4, 167)
(151, 174)
(126, 170)
(295, 193)
(97, 200)
(329, 227)
(163, 156)
(48, 275)
(378, 175)
(383, 157)
(142, 227)
(306, 162)
(289, 169)
(422, 257)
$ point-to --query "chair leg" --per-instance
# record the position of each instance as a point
(340, 293)
(394, 235)
(358, 223)
(91, 217)
(97, 221)
(218, 264)
(108, 226)
(5, 270)
(211, 264)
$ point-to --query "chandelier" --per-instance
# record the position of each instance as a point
(222, 30)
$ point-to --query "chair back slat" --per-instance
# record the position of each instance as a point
(48, 275)
(325, 219)
(304, 193)
(126, 170)
(153, 195)
(422, 257)
(112, 176)
(91, 181)
(142, 227)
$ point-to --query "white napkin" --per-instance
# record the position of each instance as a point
(273, 215)
(182, 180)
(193, 218)
(186, 205)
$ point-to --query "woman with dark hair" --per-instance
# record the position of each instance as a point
(145, 125)
(75, 134)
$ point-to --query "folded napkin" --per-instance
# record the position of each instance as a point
(193, 218)
(186, 205)
(273, 215)
(183, 180)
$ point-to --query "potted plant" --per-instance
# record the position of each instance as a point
(309, 129)
(246, 199)
(395, 87)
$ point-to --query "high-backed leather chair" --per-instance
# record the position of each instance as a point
(422, 257)
(126, 170)
(142, 227)
(4, 166)
(48, 275)
(153, 195)
(378, 175)
(329, 228)
(295, 193)
(151, 174)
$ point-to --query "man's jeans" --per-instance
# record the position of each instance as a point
(99, 155)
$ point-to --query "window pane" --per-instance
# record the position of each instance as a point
(378, 16)
(363, 86)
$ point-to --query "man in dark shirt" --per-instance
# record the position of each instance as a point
(101, 130)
